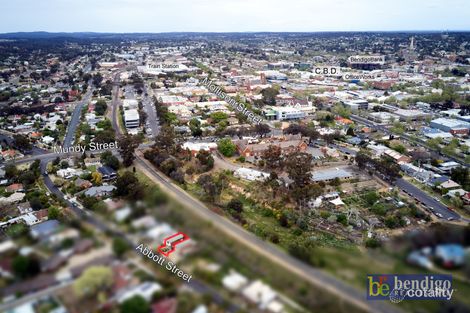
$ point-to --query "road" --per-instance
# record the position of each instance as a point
(75, 119)
(384, 129)
(426, 199)
(115, 104)
(152, 118)
(409, 188)
(317, 277)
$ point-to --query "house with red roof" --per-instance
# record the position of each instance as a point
(165, 306)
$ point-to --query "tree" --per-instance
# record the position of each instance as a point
(262, 129)
(269, 95)
(136, 304)
(209, 186)
(399, 148)
(101, 107)
(97, 79)
(93, 280)
(119, 246)
(195, 126)
(25, 266)
(350, 131)
(97, 178)
(272, 157)
(11, 171)
(128, 186)
(235, 205)
(27, 178)
(22, 143)
(218, 117)
(461, 175)
(206, 160)
(53, 213)
(226, 147)
(108, 159)
(165, 140)
(298, 167)
(341, 110)
(105, 136)
(127, 146)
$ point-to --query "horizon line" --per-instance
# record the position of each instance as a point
(238, 32)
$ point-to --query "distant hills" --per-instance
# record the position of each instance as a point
(92, 35)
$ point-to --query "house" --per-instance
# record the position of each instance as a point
(68, 173)
(53, 263)
(337, 202)
(456, 193)
(16, 197)
(466, 198)
(24, 207)
(92, 162)
(450, 255)
(121, 214)
(195, 147)
(250, 174)
(259, 293)
(10, 154)
(45, 229)
(82, 183)
(47, 140)
(107, 173)
(447, 167)
(449, 185)
(160, 231)
(200, 309)
(100, 191)
(145, 290)
(420, 259)
(7, 245)
(14, 188)
(82, 246)
(165, 306)
(234, 281)
(57, 238)
(6, 268)
(144, 222)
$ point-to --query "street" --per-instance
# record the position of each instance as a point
(75, 119)
(426, 199)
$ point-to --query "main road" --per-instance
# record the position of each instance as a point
(409, 188)
(427, 200)
(369, 123)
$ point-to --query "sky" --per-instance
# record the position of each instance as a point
(156, 16)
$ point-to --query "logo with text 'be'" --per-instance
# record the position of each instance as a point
(398, 287)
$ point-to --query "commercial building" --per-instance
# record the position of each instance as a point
(131, 118)
(284, 113)
(411, 115)
(451, 126)
(383, 117)
(355, 105)
(330, 174)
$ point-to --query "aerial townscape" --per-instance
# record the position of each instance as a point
(197, 172)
